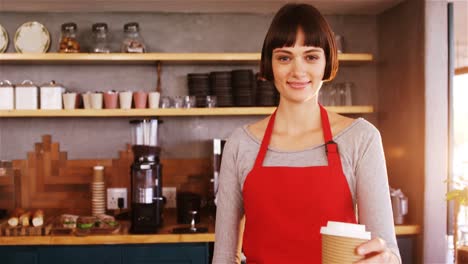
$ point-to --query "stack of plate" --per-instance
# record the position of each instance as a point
(267, 95)
(222, 88)
(199, 86)
(243, 87)
(98, 199)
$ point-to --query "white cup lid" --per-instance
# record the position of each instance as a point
(345, 230)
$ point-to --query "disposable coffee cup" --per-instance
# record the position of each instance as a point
(340, 240)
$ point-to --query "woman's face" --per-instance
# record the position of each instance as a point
(298, 71)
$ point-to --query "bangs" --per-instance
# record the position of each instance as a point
(288, 21)
(286, 36)
(289, 24)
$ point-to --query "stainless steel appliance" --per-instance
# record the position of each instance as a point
(146, 171)
(218, 146)
(399, 206)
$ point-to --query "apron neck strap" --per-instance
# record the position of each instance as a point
(327, 136)
(265, 140)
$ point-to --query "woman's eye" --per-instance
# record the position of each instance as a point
(283, 58)
(312, 57)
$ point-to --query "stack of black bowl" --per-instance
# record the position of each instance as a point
(267, 95)
(199, 86)
(221, 87)
(243, 87)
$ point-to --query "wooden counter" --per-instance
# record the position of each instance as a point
(124, 238)
(402, 230)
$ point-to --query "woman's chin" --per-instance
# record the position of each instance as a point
(297, 99)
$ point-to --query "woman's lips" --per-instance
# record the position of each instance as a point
(298, 85)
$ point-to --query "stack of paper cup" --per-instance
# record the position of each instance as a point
(340, 240)
(98, 203)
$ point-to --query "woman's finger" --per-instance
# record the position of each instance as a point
(375, 245)
(383, 257)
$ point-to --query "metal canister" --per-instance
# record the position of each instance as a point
(26, 96)
(7, 95)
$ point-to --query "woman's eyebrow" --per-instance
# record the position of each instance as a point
(289, 52)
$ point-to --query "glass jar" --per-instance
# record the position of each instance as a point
(68, 40)
(100, 38)
(133, 42)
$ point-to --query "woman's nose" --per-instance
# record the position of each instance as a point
(299, 67)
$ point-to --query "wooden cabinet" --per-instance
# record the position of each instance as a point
(19, 255)
(80, 254)
(182, 253)
(167, 254)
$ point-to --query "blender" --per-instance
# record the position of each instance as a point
(146, 171)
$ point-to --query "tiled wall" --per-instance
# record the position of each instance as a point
(181, 137)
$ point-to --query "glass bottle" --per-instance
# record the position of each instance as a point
(349, 87)
(133, 42)
(68, 40)
(100, 38)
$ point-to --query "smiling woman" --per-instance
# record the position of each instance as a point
(286, 176)
(298, 70)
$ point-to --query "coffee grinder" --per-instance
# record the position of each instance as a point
(146, 171)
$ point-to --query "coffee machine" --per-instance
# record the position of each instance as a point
(146, 173)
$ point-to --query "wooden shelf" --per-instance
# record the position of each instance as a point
(150, 58)
(220, 111)
(401, 230)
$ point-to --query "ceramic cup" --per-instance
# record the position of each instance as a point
(110, 99)
(96, 100)
(153, 99)
(340, 240)
(140, 99)
(125, 100)
(86, 100)
(69, 100)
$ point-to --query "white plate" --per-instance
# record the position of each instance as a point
(32, 37)
(3, 39)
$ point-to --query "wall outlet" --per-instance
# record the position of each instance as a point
(113, 194)
(170, 194)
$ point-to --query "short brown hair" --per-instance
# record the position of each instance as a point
(283, 31)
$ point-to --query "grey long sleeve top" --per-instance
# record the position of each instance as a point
(363, 164)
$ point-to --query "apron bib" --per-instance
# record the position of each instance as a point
(286, 206)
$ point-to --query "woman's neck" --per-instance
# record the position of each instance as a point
(297, 118)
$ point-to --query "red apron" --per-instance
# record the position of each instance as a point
(286, 206)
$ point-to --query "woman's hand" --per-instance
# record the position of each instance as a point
(376, 251)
